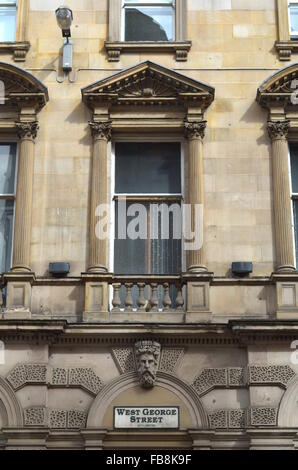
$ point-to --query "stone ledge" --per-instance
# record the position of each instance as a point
(18, 49)
(180, 48)
(285, 49)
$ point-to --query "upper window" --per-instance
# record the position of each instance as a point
(148, 20)
(7, 202)
(148, 174)
(293, 19)
(8, 20)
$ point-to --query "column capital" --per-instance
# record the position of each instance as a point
(101, 130)
(278, 130)
(195, 129)
(27, 129)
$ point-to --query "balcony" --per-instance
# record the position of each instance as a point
(149, 294)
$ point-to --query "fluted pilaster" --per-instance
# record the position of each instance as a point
(101, 132)
(27, 132)
(278, 131)
(195, 132)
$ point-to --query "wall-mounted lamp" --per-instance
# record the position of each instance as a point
(64, 19)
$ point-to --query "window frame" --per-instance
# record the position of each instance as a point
(293, 36)
(144, 196)
(115, 44)
(12, 197)
(13, 5)
(143, 3)
(20, 46)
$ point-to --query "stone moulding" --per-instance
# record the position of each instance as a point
(55, 418)
(277, 88)
(42, 374)
(179, 48)
(285, 49)
(22, 87)
(148, 84)
(19, 49)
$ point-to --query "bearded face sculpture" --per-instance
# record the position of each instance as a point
(147, 354)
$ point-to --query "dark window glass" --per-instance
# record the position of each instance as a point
(6, 227)
(152, 255)
(295, 213)
(7, 168)
(148, 168)
(149, 23)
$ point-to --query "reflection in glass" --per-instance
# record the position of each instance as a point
(8, 23)
(294, 19)
(149, 24)
(6, 227)
(7, 168)
(148, 168)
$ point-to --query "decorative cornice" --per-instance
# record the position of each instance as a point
(279, 87)
(195, 130)
(101, 130)
(27, 130)
(148, 84)
(115, 48)
(278, 130)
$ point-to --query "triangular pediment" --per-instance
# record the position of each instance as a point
(148, 83)
(279, 87)
(19, 86)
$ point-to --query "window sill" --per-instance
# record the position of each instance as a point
(18, 49)
(285, 48)
(180, 48)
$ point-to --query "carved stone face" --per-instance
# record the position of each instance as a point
(147, 360)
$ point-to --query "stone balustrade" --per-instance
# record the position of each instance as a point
(147, 294)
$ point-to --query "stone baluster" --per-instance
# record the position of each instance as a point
(166, 300)
(128, 298)
(179, 298)
(116, 302)
(154, 298)
(141, 302)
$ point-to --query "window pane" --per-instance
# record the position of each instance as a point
(7, 24)
(148, 168)
(157, 254)
(295, 213)
(7, 168)
(165, 251)
(130, 255)
(6, 226)
(149, 24)
(147, 1)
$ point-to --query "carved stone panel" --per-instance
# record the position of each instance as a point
(209, 379)
(278, 375)
(24, 374)
(85, 378)
(124, 359)
(170, 359)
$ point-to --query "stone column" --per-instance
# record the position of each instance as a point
(101, 132)
(195, 132)
(27, 132)
(278, 132)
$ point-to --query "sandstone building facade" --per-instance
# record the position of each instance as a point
(186, 101)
